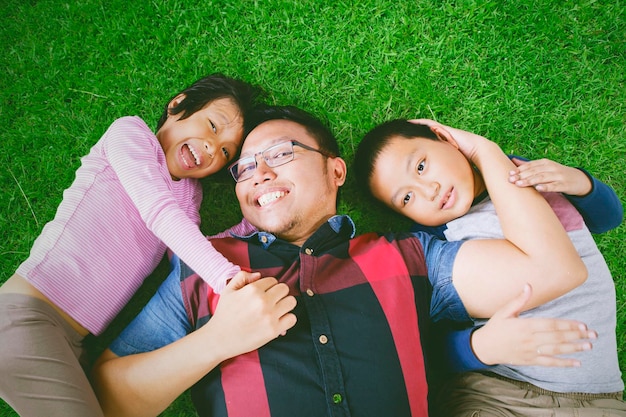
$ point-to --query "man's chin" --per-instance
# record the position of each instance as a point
(275, 225)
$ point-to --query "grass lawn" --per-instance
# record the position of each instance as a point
(541, 78)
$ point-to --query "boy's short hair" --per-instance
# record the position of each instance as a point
(210, 88)
(376, 140)
(322, 134)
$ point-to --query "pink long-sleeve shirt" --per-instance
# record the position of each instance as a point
(113, 226)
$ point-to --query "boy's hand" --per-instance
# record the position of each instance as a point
(549, 176)
(465, 141)
(509, 339)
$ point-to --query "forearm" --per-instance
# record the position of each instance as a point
(601, 208)
(145, 384)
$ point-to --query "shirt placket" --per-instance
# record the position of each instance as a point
(327, 355)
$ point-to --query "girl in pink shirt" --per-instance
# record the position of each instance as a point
(135, 194)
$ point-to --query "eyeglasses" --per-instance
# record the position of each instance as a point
(274, 156)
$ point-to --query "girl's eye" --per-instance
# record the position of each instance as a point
(407, 198)
(226, 153)
(420, 167)
(213, 126)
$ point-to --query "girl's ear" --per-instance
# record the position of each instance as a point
(176, 101)
(444, 136)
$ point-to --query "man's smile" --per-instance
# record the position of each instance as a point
(270, 197)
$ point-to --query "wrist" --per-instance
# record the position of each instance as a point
(485, 151)
(480, 346)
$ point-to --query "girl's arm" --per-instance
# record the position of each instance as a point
(596, 201)
(243, 228)
(135, 155)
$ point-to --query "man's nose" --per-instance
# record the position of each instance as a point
(263, 172)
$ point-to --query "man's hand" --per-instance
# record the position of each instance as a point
(251, 311)
(509, 339)
(550, 176)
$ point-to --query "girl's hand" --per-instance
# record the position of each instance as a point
(549, 176)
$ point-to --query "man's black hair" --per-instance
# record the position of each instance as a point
(313, 125)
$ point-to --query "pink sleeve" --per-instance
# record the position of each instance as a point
(138, 160)
(243, 228)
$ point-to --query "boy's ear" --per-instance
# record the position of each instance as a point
(444, 136)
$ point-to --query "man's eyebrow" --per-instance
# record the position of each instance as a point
(272, 143)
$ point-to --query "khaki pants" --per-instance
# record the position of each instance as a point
(41, 374)
(475, 394)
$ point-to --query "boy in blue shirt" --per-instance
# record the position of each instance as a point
(417, 169)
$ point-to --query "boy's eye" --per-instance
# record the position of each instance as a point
(213, 126)
(420, 167)
(407, 198)
(226, 153)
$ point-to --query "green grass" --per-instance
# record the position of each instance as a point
(541, 78)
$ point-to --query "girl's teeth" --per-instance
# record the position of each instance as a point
(195, 155)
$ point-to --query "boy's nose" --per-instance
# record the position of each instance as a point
(429, 190)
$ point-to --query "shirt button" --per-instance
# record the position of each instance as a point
(310, 292)
(337, 398)
(308, 251)
(264, 239)
(323, 339)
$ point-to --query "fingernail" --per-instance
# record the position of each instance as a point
(592, 335)
(582, 327)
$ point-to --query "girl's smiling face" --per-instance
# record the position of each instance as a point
(204, 142)
(429, 181)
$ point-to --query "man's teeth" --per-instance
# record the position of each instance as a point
(269, 197)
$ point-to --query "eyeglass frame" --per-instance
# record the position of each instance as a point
(268, 161)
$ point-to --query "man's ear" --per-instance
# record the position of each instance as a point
(444, 136)
(339, 170)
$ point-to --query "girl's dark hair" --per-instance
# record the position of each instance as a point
(376, 140)
(313, 125)
(210, 88)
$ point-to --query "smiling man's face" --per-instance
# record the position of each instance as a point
(291, 200)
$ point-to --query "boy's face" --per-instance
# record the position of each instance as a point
(204, 142)
(428, 181)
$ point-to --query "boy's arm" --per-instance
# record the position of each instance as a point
(536, 249)
(248, 315)
(508, 339)
(601, 208)
(596, 201)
